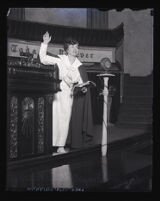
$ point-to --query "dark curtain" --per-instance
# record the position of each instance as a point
(81, 124)
(16, 13)
(97, 19)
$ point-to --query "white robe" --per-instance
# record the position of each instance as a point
(62, 103)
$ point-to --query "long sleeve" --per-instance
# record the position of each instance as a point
(46, 59)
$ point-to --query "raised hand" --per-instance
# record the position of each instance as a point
(46, 38)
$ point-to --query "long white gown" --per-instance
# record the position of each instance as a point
(62, 103)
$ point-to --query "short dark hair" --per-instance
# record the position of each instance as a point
(70, 41)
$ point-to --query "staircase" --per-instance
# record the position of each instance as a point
(136, 109)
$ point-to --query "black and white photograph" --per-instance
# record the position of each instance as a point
(79, 100)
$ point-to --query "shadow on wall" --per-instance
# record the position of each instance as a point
(138, 39)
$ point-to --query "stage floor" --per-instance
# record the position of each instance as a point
(125, 168)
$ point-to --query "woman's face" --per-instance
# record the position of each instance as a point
(73, 50)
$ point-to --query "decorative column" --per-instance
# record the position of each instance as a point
(105, 76)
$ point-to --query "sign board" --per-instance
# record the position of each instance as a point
(19, 48)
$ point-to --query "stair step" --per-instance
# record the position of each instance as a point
(134, 86)
(146, 126)
(135, 111)
(134, 122)
(138, 86)
(147, 79)
(136, 105)
(137, 99)
(138, 92)
(135, 118)
(138, 82)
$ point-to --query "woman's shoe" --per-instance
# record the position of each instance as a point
(61, 150)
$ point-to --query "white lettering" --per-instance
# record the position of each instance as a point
(91, 55)
(13, 48)
(86, 54)
(81, 55)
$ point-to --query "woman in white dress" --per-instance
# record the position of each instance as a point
(62, 104)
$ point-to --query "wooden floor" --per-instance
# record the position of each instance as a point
(127, 167)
